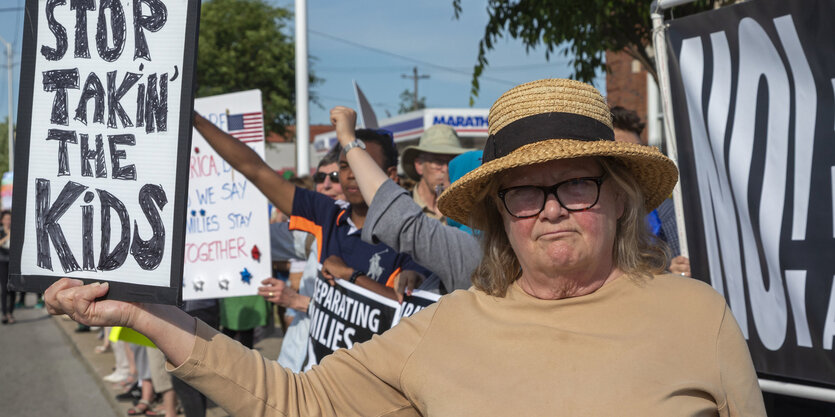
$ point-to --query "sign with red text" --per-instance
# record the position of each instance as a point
(101, 160)
(227, 251)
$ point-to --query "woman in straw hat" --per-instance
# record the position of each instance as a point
(567, 315)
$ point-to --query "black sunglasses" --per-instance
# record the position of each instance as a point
(319, 177)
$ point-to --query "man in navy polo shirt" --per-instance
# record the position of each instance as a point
(336, 224)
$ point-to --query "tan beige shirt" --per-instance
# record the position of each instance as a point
(425, 207)
(666, 346)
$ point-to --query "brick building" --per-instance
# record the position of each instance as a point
(630, 86)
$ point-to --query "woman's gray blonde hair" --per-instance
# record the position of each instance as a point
(636, 251)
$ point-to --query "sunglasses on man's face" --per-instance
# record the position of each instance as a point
(319, 177)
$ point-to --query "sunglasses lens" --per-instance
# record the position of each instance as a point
(319, 177)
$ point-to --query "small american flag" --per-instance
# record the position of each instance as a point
(246, 127)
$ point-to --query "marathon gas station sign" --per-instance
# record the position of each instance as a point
(468, 123)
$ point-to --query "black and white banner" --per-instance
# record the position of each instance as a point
(344, 314)
(752, 87)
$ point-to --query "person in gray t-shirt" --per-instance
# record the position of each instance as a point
(394, 219)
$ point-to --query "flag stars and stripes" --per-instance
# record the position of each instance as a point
(246, 127)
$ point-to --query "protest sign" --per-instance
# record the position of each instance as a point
(752, 88)
(344, 314)
(414, 303)
(101, 163)
(227, 250)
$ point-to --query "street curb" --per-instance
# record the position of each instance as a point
(118, 408)
(99, 365)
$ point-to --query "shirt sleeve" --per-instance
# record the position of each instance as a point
(736, 370)
(311, 211)
(394, 219)
(281, 242)
(362, 381)
(312, 206)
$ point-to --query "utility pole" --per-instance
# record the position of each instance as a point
(302, 93)
(415, 77)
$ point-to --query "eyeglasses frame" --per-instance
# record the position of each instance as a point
(552, 189)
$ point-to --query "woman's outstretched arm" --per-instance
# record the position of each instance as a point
(171, 329)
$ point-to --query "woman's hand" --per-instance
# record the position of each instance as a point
(277, 291)
(680, 265)
(405, 282)
(79, 301)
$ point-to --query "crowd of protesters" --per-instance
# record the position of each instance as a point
(560, 233)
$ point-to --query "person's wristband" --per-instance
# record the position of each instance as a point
(354, 276)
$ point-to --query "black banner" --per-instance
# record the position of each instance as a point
(344, 314)
(414, 303)
(752, 87)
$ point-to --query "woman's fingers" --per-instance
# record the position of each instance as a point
(84, 298)
(50, 295)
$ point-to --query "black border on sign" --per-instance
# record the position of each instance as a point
(118, 290)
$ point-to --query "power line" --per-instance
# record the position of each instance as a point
(424, 63)
(378, 68)
(363, 69)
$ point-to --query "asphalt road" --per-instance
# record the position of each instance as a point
(42, 373)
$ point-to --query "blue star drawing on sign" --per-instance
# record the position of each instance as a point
(246, 276)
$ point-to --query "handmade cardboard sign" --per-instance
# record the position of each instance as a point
(227, 230)
(101, 162)
(344, 314)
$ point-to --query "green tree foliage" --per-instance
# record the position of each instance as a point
(582, 30)
(407, 102)
(244, 45)
(4, 146)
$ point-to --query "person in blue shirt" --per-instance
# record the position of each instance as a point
(661, 221)
(335, 224)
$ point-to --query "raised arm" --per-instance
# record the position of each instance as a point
(368, 174)
(396, 220)
(279, 191)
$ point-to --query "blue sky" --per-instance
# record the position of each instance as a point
(358, 40)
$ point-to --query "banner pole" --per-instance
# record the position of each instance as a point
(797, 390)
(659, 43)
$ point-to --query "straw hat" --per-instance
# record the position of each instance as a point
(438, 138)
(553, 119)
